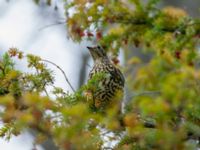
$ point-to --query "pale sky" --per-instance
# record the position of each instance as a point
(20, 24)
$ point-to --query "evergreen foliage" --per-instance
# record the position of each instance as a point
(164, 111)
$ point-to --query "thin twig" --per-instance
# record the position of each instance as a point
(50, 25)
(147, 124)
(150, 93)
(45, 90)
(61, 71)
(88, 65)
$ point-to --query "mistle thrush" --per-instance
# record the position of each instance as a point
(112, 82)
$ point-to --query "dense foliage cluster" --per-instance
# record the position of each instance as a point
(163, 111)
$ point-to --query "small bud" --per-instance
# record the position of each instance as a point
(98, 35)
(136, 42)
(115, 60)
(13, 51)
(178, 54)
(89, 34)
(80, 32)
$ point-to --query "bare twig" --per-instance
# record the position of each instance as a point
(150, 93)
(45, 90)
(88, 65)
(147, 124)
(66, 79)
(50, 25)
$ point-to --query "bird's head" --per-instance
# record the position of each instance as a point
(97, 53)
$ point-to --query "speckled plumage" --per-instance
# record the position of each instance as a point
(111, 83)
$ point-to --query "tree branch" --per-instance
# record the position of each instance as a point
(66, 79)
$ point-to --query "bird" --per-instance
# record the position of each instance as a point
(111, 84)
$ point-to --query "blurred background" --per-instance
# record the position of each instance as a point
(41, 30)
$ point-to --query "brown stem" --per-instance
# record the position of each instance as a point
(66, 79)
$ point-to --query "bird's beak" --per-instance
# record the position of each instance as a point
(90, 48)
(92, 52)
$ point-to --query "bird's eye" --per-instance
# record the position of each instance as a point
(98, 47)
